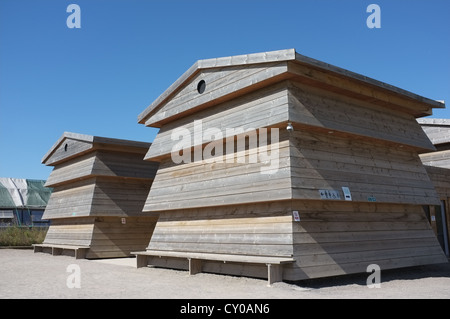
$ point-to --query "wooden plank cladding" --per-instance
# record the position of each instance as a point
(441, 180)
(200, 184)
(252, 229)
(106, 237)
(438, 130)
(289, 64)
(346, 237)
(73, 199)
(437, 164)
(221, 82)
(263, 108)
(99, 189)
(369, 170)
(324, 109)
(345, 187)
(70, 231)
(117, 237)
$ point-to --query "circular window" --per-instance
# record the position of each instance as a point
(201, 86)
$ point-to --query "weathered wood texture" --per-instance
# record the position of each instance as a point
(221, 83)
(98, 196)
(79, 252)
(438, 130)
(359, 87)
(306, 163)
(71, 145)
(106, 237)
(291, 101)
(438, 159)
(342, 238)
(440, 177)
(96, 182)
(102, 163)
(242, 62)
(319, 108)
(382, 173)
(200, 184)
(263, 229)
(349, 131)
(66, 148)
(263, 108)
(72, 170)
(70, 231)
(71, 200)
(112, 238)
(331, 238)
(196, 261)
(116, 197)
(230, 76)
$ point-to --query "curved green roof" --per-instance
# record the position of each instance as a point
(23, 193)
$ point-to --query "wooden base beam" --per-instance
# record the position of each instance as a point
(274, 264)
(195, 266)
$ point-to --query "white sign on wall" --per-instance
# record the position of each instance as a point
(347, 194)
(329, 194)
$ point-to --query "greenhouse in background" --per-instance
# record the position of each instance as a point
(22, 202)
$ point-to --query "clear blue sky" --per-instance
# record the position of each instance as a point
(97, 79)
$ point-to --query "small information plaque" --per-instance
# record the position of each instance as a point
(296, 215)
(347, 194)
(329, 194)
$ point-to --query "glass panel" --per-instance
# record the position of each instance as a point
(6, 214)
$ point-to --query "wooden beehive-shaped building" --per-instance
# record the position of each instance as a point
(99, 188)
(437, 164)
(276, 159)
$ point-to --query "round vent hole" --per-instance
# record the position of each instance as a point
(201, 86)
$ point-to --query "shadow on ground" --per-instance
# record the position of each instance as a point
(409, 273)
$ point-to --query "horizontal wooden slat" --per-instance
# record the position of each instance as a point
(230, 82)
(261, 109)
(218, 257)
(326, 161)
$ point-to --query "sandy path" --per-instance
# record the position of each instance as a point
(29, 275)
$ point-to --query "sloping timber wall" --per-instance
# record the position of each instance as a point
(98, 196)
(90, 212)
(441, 180)
(106, 237)
(331, 238)
(232, 208)
(345, 237)
(370, 169)
(99, 189)
(441, 158)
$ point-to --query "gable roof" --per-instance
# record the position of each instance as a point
(85, 143)
(422, 105)
(437, 130)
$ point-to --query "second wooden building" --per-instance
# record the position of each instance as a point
(99, 189)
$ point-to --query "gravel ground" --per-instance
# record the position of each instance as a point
(28, 275)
